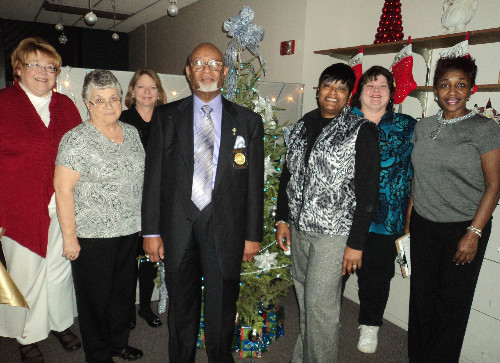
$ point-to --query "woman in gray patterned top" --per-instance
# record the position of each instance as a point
(328, 190)
(98, 183)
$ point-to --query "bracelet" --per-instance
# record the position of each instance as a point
(475, 230)
(281, 222)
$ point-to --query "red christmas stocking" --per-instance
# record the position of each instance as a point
(402, 68)
(356, 63)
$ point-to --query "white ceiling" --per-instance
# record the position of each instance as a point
(140, 11)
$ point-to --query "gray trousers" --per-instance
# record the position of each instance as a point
(317, 277)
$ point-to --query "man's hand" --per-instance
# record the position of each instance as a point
(283, 236)
(251, 249)
(153, 246)
(352, 260)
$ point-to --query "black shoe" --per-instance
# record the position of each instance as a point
(148, 315)
(68, 340)
(128, 353)
(30, 353)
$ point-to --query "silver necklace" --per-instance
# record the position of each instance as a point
(441, 122)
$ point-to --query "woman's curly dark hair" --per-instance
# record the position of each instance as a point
(467, 65)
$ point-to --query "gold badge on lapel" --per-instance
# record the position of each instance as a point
(239, 158)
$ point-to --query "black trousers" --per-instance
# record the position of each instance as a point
(146, 272)
(103, 275)
(184, 290)
(374, 278)
(441, 292)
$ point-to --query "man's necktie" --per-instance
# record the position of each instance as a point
(201, 193)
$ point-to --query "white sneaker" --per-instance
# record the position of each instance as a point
(368, 338)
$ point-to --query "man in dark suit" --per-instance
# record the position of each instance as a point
(203, 218)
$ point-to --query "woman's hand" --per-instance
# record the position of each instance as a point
(352, 260)
(283, 236)
(65, 181)
(466, 249)
(71, 249)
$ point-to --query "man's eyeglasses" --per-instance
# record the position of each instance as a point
(199, 65)
(101, 103)
(38, 67)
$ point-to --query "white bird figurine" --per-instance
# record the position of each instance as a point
(457, 13)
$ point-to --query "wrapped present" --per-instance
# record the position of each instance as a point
(251, 344)
(274, 322)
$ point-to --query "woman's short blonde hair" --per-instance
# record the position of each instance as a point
(162, 96)
(31, 46)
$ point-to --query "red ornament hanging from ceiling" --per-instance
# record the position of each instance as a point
(390, 27)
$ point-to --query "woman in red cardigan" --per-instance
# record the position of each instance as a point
(33, 119)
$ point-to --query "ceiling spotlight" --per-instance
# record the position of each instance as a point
(173, 10)
(90, 17)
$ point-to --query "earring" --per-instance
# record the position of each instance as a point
(436, 98)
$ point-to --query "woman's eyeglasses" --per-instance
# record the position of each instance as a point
(101, 103)
(38, 67)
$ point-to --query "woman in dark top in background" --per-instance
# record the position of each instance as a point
(144, 93)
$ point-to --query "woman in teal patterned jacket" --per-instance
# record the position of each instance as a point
(374, 101)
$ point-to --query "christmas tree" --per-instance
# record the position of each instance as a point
(267, 278)
(390, 26)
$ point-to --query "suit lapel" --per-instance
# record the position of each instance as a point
(184, 127)
(227, 140)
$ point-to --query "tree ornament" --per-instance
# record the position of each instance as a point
(59, 27)
(266, 260)
(115, 37)
(390, 26)
(253, 335)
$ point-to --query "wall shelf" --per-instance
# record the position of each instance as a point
(421, 46)
(424, 47)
